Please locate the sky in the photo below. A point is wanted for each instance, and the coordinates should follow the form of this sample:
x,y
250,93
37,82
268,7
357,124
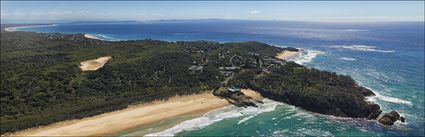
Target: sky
x,y
328,11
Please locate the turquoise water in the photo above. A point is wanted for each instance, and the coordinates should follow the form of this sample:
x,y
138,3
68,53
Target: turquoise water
x,y
387,57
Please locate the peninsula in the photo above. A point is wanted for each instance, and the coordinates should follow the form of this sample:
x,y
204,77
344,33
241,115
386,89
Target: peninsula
x,y
51,77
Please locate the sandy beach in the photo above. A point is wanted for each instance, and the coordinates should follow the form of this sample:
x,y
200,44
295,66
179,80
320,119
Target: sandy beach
x,y
90,36
285,55
10,29
133,116
14,27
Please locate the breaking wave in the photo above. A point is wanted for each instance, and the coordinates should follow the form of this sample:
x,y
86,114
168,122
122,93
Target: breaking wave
x,y
101,37
218,115
386,98
349,59
390,99
362,48
306,56
356,30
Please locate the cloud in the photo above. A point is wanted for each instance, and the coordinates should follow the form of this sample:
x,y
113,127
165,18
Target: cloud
x,y
254,12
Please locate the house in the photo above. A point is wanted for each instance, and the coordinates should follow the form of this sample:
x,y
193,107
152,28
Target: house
x,y
234,90
228,68
196,68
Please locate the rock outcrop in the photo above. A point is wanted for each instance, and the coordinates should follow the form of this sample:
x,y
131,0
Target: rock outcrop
x,y
366,92
238,98
375,111
311,89
390,118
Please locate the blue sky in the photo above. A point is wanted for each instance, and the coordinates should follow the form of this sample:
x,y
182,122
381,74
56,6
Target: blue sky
x,y
345,11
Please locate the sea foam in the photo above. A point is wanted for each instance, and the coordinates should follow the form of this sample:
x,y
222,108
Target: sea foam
x,y
218,115
390,99
355,30
362,48
306,56
101,37
349,59
385,98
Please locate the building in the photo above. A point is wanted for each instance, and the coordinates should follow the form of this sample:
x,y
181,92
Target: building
x,y
234,90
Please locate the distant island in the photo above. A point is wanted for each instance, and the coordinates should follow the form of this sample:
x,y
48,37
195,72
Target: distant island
x,y
52,77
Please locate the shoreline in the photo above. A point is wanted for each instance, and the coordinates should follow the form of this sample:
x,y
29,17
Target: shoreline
x,y
146,114
12,29
90,36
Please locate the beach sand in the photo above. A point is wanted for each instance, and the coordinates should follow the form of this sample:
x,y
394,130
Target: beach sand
x,y
10,29
285,55
134,116
14,27
90,36
94,64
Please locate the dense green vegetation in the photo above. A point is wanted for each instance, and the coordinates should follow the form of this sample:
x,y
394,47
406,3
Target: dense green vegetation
x,y
41,81
318,91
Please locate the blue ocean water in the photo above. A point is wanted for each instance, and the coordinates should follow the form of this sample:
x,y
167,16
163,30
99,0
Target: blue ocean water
x,y
387,57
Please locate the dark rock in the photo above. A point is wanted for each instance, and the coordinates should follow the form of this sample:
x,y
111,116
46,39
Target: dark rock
x,y
394,115
402,119
386,121
366,92
375,111
291,49
238,99
390,118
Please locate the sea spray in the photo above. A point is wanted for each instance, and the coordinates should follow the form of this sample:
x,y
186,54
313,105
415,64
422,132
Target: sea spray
x,y
379,96
390,99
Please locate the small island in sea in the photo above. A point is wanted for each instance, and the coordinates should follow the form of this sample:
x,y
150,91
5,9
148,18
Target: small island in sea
x,y
90,84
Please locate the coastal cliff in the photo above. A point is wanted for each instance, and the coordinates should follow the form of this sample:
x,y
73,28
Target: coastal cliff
x,y
40,75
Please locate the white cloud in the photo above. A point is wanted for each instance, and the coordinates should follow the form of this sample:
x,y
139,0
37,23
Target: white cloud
x,y
254,12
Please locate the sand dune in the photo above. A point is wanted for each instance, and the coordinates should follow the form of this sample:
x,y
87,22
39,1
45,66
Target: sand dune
x,y
94,64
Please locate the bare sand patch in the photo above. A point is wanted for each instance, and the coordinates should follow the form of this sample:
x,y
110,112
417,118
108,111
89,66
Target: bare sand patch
x,y
285,55
94,64
254,94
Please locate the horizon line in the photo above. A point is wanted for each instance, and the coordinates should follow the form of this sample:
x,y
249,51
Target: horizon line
x,y
153,20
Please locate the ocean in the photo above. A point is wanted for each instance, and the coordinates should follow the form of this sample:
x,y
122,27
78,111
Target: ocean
x,y
386,57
